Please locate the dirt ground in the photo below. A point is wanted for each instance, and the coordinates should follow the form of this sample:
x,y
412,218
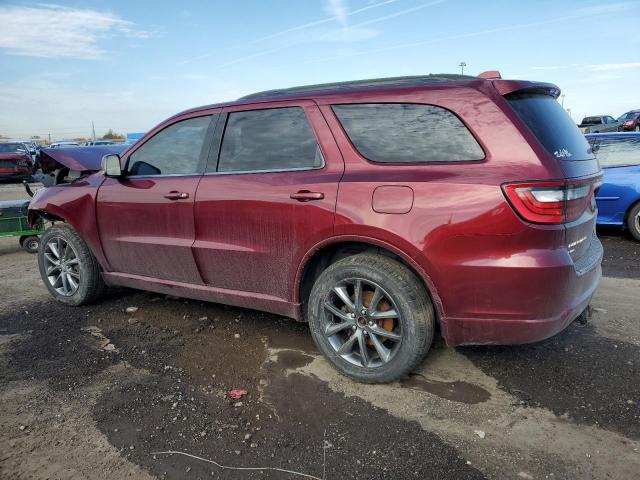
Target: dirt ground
x,y
96,392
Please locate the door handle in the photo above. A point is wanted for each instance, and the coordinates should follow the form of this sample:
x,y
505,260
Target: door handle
x,y
176,195
306,196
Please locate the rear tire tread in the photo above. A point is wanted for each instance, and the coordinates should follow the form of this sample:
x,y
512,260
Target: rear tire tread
x,y
635,211
417,343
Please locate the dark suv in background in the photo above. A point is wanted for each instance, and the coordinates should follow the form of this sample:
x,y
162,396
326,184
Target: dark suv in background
x,y
374,210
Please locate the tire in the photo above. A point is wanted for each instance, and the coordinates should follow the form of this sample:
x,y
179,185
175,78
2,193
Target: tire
x,y
81,282
633,221
406,337
30,243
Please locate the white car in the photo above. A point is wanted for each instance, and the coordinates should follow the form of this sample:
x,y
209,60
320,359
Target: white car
x,y
64,144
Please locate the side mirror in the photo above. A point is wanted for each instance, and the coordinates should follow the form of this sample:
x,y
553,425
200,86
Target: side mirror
x,y
111,165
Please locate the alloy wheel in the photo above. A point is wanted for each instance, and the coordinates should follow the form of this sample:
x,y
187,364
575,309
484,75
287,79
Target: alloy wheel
x,y
62,266
362,323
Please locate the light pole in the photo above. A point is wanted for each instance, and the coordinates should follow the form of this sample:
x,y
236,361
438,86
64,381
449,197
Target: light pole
x,y
562,100
462,65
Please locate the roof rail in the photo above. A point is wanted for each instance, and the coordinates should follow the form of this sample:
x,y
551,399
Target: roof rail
x,y
353,84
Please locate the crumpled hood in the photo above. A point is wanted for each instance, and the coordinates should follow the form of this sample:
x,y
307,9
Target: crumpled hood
x,y
81,159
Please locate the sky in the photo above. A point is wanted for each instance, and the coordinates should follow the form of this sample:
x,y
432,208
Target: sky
x,y
126,65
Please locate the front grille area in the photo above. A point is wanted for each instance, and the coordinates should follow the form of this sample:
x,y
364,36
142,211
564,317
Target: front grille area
x,y
7,164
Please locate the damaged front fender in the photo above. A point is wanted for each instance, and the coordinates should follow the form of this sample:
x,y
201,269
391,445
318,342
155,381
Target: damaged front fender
x,y
74,204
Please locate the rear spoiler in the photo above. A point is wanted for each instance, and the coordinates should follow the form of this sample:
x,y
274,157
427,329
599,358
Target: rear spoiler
x,y
505,87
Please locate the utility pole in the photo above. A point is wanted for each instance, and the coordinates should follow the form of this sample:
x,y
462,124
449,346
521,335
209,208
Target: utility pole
x,y
462,65
93,129
49,139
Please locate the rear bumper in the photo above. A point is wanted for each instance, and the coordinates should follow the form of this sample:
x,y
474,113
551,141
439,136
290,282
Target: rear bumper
x,y
563,291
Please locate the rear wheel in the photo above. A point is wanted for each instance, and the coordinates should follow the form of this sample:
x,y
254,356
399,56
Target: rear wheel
x,y
68,268
30,243
371,317
633,221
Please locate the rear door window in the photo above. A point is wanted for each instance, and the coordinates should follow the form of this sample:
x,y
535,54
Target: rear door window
x,y
407,133
616,152
551,125
268,140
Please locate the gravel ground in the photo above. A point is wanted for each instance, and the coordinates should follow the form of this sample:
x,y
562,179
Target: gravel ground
x,y
96,392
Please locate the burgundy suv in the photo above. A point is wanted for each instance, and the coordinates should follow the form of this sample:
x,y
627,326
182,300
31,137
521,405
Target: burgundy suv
x,y
374,210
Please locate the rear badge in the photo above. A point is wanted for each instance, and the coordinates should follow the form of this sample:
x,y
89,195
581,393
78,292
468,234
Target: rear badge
x,y
562,153
572,245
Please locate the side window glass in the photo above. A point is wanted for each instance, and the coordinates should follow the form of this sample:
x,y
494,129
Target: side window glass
x,y
270,139
176,150
407,133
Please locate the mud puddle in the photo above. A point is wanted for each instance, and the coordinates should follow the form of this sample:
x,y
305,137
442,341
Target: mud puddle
x,y
457,391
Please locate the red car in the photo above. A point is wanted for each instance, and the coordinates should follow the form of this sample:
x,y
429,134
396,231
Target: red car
x,y
15,161
374,210
630,121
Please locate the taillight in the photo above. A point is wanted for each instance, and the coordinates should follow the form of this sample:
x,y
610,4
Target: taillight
x,y
551,202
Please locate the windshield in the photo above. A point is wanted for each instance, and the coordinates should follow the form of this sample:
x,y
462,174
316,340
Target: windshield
x,y
12,148
628,116
551,125
615,152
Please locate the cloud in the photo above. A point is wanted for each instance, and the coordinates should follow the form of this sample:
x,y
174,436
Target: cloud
x,y
348,35
54,31
605,67
576,15
399,13
341,17
337,10
596,67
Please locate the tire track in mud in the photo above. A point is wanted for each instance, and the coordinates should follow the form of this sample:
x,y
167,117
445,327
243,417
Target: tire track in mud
x,y
187,355
591,379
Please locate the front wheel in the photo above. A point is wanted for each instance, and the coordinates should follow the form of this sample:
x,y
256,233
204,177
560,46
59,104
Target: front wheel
x,y
633,221
68,268
371,317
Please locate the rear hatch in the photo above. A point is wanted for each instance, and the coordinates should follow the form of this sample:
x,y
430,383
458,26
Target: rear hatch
x,y
571,200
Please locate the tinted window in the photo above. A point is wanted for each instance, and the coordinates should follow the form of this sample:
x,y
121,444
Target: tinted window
x,y
553,127
613,152
407,133
591,121
12,148
273,139
172,151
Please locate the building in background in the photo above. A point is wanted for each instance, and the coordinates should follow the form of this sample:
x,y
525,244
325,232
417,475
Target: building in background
x,y
134,137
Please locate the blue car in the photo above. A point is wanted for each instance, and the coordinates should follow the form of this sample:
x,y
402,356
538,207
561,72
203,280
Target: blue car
x,y
619,197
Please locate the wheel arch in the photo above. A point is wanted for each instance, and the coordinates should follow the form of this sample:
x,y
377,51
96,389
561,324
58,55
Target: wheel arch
x,y
329,251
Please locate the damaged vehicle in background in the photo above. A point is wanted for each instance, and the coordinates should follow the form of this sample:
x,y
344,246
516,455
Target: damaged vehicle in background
x,y
374,210
15,161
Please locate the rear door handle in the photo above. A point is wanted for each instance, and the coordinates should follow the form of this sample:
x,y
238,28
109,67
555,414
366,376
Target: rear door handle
x,y
306,196
176,195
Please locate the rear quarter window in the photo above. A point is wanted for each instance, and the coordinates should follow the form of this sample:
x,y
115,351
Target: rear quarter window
x,y
407,133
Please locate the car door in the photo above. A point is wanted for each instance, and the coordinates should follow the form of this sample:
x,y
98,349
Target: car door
x,y
145,217
267,198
